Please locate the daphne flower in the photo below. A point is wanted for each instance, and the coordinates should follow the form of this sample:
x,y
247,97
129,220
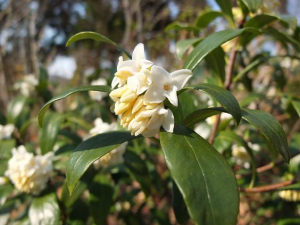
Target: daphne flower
x,y
115,156
97,95
128,68
27,85
165,85
27,172
290,195
6,131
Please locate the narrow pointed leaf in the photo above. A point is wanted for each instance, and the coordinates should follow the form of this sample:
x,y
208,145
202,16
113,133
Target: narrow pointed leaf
x,y
252,5
226,7
203,176
183,45
179,207
222,96
96,37
90,150
210,43
206,18
296,105
271,129
66,94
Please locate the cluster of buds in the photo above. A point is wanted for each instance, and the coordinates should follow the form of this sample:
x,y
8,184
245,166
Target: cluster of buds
x,y
290,195
141,90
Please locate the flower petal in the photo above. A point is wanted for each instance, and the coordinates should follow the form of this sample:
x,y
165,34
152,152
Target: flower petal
x,y
160,76
132,83
168,123
154,94
145,64
115,82
128,65
138,52
180,77
172,95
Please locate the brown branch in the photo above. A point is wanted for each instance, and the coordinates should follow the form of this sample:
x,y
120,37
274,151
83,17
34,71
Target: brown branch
x,y
267,188
215,129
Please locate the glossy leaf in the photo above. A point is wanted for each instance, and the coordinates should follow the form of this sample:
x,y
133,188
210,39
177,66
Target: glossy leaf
x,y
44,210
15,108
206,18
204,178
183,45
96,37
100,198
90,150
226,7
271,129
210,43
66,94
201,115
215,61
179,207
222,96
252,5
49,132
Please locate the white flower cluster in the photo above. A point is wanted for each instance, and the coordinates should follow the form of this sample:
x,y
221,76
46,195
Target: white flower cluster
x,y
115,156
27,172
142,88
6,131
97,95
26,85
290,195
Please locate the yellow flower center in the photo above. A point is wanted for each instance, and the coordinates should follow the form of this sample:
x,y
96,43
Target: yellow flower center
x,y
166,87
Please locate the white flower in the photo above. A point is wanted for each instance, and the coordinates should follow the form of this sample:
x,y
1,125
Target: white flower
x,y
27,172
165,85
128,68
97,95
115,156
290,195
241,155
6,131
26,85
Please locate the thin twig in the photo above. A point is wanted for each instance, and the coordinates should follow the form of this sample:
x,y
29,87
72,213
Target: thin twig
x,y
267,188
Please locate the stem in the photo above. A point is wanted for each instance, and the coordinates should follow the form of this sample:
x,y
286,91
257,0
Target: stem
x,y
267,188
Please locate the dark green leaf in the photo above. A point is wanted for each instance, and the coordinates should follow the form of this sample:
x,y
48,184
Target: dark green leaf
x,y
226,7
204,178
5,191
15,108
68,199
139,170
179,206
96,37
100,198
215,61
201,115
44,210
66,94
222,96
210,43
253,5
48,134
181,26
260,21
282,37
183,45
271,129
206,18
90,150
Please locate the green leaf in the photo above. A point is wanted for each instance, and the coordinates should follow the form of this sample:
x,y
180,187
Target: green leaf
x,y
260,21
201,115
222,96
181,26
215,61
204,178
288,21
90,150
296,105
282,37
44,210
15,108
183,45
66,94
96,37
210,43
226,7
100,198
5,191
295,186
138,169
48,134
252,5
206,18
179,207
271,129
68,199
